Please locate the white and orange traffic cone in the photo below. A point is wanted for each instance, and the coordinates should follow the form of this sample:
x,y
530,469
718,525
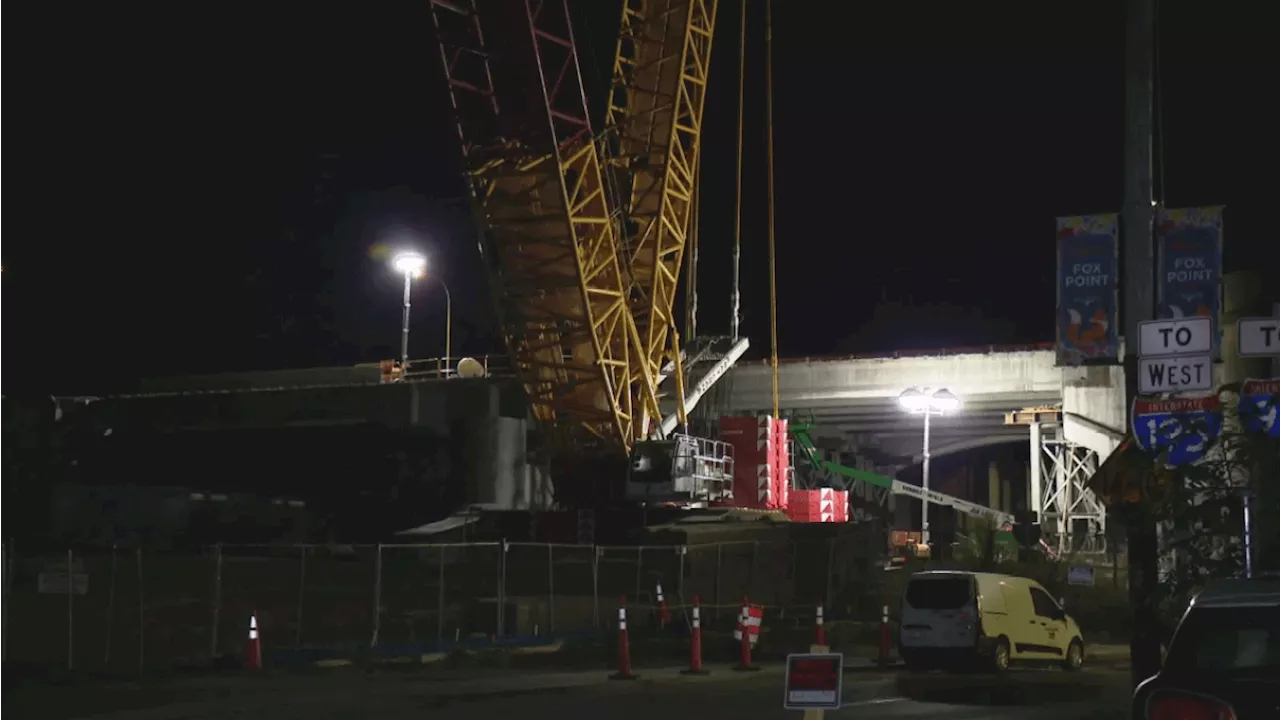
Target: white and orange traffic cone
x,y
253,647
664,612
624,647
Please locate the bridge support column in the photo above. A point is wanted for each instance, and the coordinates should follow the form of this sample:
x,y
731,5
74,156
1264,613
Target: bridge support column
x,y
1071,516
1036,491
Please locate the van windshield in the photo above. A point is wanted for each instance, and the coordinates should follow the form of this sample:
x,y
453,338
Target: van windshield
x,y
939,593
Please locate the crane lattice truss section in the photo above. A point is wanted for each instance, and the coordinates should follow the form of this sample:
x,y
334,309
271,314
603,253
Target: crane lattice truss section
x,y
535,176
653,126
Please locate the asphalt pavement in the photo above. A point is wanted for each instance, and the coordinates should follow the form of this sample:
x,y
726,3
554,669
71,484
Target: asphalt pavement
x,y
658,694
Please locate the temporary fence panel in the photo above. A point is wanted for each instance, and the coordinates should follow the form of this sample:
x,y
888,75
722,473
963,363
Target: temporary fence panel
x,y
129,609
437,594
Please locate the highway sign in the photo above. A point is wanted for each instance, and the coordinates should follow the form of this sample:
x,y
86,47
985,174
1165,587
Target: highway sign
x,y
1181,336
1258,406
813,681
1185,428
1175,373
1259,337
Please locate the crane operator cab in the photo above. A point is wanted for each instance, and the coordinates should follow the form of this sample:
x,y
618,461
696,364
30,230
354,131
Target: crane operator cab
x,y
680,469
954,618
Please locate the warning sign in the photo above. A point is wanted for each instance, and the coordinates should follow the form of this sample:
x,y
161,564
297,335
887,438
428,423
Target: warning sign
x,y
813,681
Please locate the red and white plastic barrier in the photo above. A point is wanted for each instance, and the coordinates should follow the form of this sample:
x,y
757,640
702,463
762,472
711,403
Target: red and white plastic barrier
x,y
748,633
750,616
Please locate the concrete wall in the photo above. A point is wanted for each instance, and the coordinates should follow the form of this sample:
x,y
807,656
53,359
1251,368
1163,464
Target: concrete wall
x,y
1093,407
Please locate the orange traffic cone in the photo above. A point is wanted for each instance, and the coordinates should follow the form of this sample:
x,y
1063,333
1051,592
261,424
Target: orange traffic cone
x,y
253,647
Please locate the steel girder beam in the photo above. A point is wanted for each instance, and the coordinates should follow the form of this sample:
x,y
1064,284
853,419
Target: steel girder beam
x,y
535,177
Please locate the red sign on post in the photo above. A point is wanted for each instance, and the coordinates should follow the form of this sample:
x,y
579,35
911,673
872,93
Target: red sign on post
x,y
814,681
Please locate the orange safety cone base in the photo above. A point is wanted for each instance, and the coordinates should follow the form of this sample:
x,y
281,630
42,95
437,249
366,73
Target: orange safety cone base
x,y
698,671
624,676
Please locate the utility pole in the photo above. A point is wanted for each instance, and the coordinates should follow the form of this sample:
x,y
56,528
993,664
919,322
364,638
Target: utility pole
x,y
1139,305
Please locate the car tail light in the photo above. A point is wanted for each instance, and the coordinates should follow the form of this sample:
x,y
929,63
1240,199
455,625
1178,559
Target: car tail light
x,y
1183,706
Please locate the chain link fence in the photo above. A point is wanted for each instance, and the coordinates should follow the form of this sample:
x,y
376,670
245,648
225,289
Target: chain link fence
x,y
127,609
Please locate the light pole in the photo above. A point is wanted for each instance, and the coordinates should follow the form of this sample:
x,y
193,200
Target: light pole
x,y
411,265
920,402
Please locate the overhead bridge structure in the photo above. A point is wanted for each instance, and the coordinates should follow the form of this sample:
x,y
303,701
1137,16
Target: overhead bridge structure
x,y
1071,417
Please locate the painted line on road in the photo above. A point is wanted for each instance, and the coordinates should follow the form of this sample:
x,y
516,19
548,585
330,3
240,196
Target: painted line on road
x,y
876,701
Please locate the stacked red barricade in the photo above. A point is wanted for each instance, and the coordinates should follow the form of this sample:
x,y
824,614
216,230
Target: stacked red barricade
x,y
761,467
822,505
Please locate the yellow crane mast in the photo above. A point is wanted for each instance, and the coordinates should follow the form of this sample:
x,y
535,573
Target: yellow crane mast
x,y
535,177
653,125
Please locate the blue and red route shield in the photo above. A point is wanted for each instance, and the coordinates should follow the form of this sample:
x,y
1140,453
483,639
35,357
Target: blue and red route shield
x,y
1185,428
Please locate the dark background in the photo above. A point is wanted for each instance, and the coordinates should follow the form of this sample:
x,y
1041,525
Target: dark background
x,y
216,188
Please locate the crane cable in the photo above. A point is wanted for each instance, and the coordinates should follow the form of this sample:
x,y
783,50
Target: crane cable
x,y
735,301
773,259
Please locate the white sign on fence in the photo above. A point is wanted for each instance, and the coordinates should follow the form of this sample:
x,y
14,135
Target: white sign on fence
x,y
1080,575
1183,336
1259,337
1175,374
55,583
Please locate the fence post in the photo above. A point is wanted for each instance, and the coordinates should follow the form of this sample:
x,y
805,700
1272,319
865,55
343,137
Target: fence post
x,y
440,602
142,617
831,555
719,559
302,593
595,586
502,588
755,567
639,571
377,596
111,610
217,600
8,601
684,549
71,594
551,588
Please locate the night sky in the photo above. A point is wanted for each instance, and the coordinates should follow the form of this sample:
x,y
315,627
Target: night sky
x,y
217,189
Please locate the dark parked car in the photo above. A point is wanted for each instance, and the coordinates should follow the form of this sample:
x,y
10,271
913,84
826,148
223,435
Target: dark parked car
x,y
1224,660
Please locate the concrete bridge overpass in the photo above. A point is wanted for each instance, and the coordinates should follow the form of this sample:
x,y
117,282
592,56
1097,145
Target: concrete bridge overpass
x,y
852,402
855,398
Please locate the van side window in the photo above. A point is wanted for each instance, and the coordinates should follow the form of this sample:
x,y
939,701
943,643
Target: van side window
x,y
1044,605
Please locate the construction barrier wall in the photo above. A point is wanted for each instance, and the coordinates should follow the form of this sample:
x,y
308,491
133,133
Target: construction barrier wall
x,y
128,609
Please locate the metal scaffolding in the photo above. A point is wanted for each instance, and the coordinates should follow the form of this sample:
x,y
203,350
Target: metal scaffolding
x,y
1072,518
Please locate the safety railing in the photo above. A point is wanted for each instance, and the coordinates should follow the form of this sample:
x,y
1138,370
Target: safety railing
x,y
122,609
446,367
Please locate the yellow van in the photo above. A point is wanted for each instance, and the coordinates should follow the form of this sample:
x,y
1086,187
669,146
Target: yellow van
x,y
956,618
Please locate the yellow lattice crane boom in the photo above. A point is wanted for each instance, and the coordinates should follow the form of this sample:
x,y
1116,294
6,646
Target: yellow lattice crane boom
x,y
653,125
535,176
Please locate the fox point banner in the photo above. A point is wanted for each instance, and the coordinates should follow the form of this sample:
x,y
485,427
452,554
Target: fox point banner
x,y
1088,272
1189,258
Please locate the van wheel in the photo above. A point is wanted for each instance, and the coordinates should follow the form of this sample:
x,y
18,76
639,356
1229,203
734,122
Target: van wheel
x,y
1000,656
1075,657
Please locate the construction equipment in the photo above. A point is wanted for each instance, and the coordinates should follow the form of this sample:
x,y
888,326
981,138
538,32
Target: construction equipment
x,y
585,279
832,470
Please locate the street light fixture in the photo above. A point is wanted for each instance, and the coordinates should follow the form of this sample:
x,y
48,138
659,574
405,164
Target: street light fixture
x,y
921,402
414,265
411,265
